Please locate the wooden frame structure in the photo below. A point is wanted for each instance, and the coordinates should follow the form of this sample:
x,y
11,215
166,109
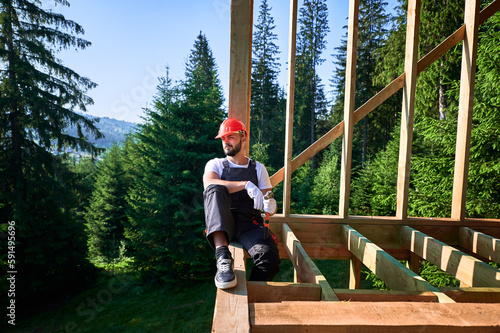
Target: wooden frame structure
x,y
459,246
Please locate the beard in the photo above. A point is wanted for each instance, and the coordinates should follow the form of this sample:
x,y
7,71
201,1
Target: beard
x,y
232,151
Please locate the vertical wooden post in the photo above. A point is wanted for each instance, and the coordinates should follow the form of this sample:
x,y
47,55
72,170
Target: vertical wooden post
x,y
240,66
411,58
292,42
465,107
350,88
354,273
414,263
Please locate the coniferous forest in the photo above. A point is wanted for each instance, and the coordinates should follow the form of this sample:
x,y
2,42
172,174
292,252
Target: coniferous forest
x,y
138,208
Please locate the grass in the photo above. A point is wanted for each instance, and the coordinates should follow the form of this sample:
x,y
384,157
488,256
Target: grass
x,y
120,304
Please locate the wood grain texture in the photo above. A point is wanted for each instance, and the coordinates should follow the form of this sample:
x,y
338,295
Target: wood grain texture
x,y
289,317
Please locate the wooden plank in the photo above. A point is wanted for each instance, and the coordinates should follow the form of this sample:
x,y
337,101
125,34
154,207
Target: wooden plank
x,y
473,295
406,136
349,99
306,270
465,107
370,295
318,317
240,62
479,243
282,291
231,305
464,267
387,268
292,41
354,273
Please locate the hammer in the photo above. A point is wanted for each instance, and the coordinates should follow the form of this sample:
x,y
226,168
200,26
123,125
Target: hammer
x,y
269,195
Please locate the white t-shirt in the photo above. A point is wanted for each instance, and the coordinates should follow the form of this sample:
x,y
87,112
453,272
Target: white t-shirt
x,y
216,166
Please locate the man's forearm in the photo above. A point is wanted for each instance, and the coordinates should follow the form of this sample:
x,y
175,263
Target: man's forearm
x,y
232,186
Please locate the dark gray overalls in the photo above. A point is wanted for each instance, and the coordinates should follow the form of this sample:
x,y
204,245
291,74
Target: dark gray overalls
x,y
234,214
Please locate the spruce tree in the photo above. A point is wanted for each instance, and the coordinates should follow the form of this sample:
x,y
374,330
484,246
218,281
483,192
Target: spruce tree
x,y
373,131
38,98
166,225
267,101
439,19
105,216
310,100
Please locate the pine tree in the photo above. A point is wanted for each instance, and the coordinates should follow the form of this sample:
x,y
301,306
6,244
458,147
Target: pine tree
x,y
267,101
166,222
310,100
38,97
105,215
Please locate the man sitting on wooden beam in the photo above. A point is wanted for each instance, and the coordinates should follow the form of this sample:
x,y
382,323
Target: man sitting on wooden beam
x,y
234,197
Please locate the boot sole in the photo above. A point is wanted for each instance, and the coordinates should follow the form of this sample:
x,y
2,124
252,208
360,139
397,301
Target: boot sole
x,y
226,285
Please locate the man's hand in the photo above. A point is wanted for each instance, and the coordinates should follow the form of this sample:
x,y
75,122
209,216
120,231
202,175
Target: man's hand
x,y
270,206
255,193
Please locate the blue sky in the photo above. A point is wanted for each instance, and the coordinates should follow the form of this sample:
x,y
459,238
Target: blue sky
x,y
134,41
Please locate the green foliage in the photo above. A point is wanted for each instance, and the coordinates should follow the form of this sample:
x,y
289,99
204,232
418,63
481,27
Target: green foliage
x,y
38,97
105,215
435,276
326,188
374,191
302,182
165,230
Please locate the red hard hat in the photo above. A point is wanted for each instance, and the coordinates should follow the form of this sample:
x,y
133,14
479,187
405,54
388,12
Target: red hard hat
x,y
231,125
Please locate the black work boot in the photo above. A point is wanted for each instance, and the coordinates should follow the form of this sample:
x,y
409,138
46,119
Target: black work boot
x,y
224,278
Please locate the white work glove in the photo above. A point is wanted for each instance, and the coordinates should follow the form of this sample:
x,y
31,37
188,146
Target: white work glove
x,y
270,205
255,193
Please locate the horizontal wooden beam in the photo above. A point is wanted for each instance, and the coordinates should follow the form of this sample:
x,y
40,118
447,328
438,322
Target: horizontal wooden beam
x,y
387,268
473,295
307,271
464,267
259,292
319,317
231,305
388,220
282,291
481,244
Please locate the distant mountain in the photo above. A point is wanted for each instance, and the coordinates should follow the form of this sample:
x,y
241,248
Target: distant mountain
x,y
114,131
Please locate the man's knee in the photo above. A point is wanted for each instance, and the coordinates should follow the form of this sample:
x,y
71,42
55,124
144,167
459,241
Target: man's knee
x,y
215,189
267,260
